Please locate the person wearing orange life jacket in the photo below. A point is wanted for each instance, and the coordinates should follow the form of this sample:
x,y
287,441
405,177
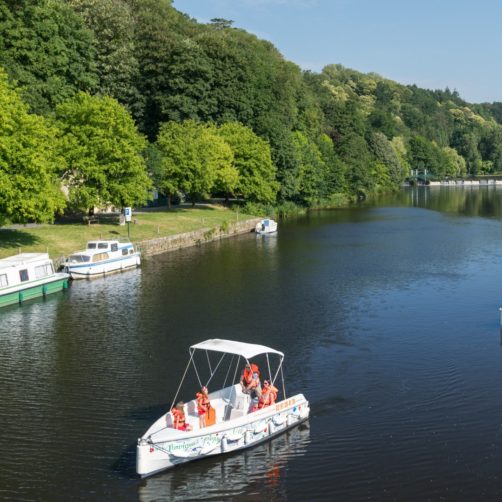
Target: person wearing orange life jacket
x,y
250,380
179,421
268,395
203,405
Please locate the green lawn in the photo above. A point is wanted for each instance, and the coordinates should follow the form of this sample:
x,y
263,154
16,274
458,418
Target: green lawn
x,y
63,239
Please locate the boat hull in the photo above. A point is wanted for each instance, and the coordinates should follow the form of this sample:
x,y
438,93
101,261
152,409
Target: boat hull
x,y
233,435
35,289
88,271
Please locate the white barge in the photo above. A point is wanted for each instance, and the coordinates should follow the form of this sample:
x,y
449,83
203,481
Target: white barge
x,y
29,275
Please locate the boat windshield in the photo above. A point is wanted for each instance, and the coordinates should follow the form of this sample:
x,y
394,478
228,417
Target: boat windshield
x,y
79,258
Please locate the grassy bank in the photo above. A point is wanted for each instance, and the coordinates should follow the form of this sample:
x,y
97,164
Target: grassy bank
x,y
63,239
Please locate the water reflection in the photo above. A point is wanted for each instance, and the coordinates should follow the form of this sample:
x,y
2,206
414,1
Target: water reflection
x,y
257,470
467,201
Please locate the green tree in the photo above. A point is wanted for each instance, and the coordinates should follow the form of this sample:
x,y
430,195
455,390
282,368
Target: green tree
x,y
313,172
46,48
193,156
29,187
253,161
103,152
384,153
117,67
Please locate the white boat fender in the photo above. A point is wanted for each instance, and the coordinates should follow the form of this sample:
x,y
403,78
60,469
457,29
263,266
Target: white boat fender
x,y
278,420
224,444
294,416
259,428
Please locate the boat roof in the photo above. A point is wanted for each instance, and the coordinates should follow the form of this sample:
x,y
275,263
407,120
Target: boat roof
x,y
110,241
22,258
246,350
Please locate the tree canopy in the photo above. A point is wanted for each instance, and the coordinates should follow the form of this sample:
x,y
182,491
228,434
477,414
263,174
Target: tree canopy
x,y
103,153
29,186
263,129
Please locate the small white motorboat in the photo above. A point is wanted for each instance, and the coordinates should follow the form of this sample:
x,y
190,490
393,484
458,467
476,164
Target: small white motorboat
x,y
237,425
266,226
101,258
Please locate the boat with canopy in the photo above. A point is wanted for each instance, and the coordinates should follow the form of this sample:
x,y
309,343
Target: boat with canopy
x,y
238,422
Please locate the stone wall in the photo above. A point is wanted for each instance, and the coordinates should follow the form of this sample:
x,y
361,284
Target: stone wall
x,y
164,244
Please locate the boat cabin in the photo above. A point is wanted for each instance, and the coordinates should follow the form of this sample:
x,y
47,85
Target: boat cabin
x,y
24,267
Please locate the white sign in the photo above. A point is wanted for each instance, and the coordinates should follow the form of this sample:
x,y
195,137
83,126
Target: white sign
x,y
127,213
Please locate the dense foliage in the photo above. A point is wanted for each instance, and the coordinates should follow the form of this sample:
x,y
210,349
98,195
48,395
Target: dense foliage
x,y
105,95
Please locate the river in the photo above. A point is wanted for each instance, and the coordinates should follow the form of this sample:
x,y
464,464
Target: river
x,y
388,314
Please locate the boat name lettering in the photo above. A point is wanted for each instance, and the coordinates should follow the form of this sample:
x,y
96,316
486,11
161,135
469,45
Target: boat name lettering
x,y
284,404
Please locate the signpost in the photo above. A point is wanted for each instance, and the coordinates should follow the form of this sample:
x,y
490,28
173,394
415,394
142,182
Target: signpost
x,y
128,217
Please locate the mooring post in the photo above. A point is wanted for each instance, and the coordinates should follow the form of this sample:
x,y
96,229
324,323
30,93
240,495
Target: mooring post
x,y
500,315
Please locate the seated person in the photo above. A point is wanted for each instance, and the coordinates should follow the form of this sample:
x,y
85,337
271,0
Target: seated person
x,y
250,380
179,421
203,406
268,395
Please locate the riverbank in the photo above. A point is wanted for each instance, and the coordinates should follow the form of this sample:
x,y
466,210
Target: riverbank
x,y
154,231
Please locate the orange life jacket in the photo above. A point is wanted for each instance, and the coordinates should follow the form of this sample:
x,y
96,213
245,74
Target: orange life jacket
x,y
178,418
248,373
268,396
203,403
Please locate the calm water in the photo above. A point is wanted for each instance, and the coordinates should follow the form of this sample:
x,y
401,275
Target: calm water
x,y
388,315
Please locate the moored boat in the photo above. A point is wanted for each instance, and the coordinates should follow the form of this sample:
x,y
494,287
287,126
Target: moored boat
x,y
266,226
29,275
100,258
238,423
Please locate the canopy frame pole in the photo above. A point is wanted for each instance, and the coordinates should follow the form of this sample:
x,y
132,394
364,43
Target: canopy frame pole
x,y
269,371
216,368
228,370
209,363
190,360
283,386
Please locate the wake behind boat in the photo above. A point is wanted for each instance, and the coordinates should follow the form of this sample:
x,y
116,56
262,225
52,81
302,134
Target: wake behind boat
x,y
101,258
238,421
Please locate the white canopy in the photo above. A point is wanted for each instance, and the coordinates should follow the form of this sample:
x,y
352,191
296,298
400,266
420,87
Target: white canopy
x,y
246,350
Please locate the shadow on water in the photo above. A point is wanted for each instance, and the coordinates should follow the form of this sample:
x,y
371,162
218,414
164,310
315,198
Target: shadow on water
x,y
125,465
326,406
13,238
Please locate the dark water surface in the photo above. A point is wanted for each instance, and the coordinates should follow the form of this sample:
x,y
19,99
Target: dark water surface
x,y
388,315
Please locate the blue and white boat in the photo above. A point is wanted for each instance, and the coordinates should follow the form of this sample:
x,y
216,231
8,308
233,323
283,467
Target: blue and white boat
x,y
101,258
266,226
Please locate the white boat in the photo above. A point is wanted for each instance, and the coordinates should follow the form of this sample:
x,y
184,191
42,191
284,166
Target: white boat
x,y
236,426
28,275
101,258
266,226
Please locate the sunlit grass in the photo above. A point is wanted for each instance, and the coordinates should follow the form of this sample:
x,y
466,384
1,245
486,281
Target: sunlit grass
x,y
62,239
